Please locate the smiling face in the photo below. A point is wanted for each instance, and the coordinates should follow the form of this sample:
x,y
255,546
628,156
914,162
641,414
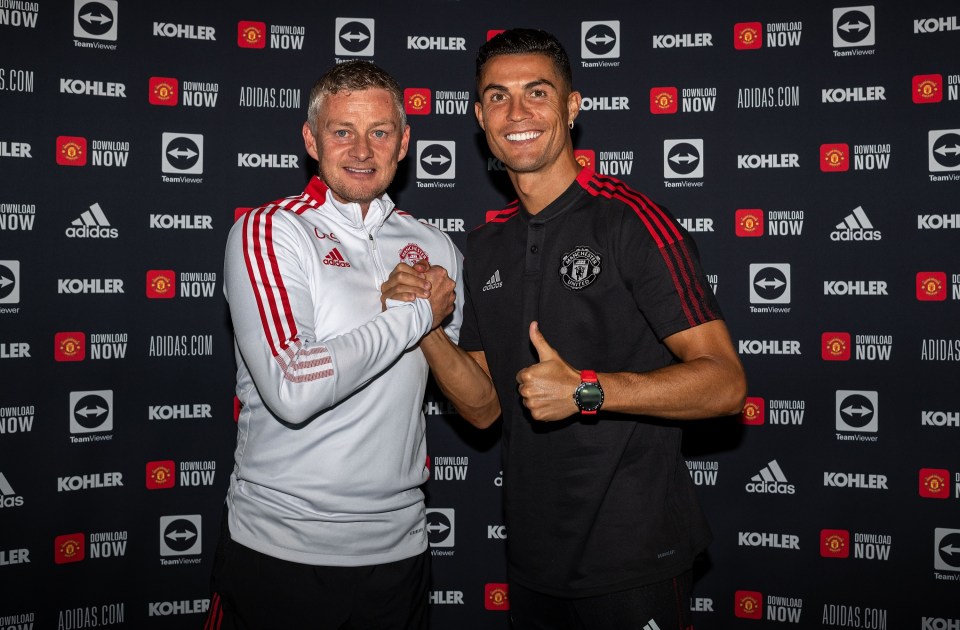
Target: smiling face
x,y
524,109
359,141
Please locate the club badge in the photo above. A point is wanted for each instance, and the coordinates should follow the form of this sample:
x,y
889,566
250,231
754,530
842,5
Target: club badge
x,y
412,254
579,268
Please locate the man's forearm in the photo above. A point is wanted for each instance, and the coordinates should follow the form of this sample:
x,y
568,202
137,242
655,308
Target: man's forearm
x,y
461,379
701,388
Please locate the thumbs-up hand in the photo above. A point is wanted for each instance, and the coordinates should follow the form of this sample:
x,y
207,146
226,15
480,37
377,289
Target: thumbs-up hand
x,y
547,387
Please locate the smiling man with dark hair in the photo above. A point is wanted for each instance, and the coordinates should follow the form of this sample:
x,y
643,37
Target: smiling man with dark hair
x,y
582,271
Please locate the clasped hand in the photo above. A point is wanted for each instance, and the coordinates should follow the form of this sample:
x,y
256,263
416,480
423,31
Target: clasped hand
x,y
431,283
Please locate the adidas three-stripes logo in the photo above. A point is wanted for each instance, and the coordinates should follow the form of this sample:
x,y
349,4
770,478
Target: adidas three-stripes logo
x,y
93,216
856,220
770,472
494,281
770,480
335,259
856,227
5,488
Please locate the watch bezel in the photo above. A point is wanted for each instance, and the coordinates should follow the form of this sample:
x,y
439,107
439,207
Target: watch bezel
x,y
581,389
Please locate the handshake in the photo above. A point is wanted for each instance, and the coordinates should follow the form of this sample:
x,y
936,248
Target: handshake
x,y
431,283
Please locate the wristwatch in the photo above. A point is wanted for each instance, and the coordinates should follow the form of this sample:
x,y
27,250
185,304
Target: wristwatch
x,y
589,394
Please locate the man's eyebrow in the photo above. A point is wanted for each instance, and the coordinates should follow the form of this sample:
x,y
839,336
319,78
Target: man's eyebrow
x,y
539,82
527,86
350,125
494,86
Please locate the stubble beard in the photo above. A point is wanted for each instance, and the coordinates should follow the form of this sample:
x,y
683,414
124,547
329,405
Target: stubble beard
x,y
350,194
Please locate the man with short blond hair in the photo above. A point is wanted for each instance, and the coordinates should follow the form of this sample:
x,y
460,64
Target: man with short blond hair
x,y
325,518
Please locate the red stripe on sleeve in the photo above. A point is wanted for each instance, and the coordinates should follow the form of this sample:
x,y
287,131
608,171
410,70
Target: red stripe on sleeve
x,y
248,246
281,289
257,225
669,241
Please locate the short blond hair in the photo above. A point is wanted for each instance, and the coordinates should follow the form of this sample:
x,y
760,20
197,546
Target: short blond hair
x,y
350,76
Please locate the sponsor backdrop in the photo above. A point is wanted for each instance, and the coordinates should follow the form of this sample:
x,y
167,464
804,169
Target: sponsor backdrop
x,y
813,151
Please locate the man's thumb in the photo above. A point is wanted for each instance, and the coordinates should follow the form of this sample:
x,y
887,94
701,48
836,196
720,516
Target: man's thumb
x,y
544,350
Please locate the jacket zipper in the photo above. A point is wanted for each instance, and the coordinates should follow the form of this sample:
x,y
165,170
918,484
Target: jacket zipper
x,y
377,262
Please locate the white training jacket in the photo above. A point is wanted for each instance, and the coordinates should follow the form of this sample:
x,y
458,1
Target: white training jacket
x,y
331,446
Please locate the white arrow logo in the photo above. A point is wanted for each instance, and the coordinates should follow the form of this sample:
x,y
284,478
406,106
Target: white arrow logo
x,y
181,153
684,158
432,159
776,283
89,17
855,26
4,282
438,527
176,535
858,411
955,149
354,37
950,549
87,411
600,39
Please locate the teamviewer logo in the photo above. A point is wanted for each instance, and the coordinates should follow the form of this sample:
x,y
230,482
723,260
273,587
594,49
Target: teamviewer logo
x,y
853,26
857,411
947,549
354,37
440,527
600,40
944,146
91,411
436,159
95,20
182,153
770,283
683,158
180,535
9,281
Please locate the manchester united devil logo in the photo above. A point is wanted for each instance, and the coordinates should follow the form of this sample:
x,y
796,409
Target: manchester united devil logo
x,y
579,268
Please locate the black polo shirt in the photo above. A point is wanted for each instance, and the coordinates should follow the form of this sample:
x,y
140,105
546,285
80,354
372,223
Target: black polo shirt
x,y
594,504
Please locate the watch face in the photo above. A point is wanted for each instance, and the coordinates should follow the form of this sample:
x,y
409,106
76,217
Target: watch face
x,y
589,396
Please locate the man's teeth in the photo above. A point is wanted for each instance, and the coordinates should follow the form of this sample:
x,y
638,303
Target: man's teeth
x,y
360,170
526,135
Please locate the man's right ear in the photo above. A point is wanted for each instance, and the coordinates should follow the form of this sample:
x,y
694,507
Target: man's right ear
x,y
478,112
309,141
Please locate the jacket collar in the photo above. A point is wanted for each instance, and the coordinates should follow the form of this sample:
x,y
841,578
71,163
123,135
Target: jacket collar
x,y
379,210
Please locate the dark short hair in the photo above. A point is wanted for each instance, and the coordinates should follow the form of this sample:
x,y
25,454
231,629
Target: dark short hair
x,y
526,41
351,76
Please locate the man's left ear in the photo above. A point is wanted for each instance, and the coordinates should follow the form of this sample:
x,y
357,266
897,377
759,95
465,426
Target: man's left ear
x,y
573,107
404,143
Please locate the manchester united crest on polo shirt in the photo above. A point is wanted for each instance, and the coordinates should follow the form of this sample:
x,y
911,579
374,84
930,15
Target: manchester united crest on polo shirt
x,y
579,268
